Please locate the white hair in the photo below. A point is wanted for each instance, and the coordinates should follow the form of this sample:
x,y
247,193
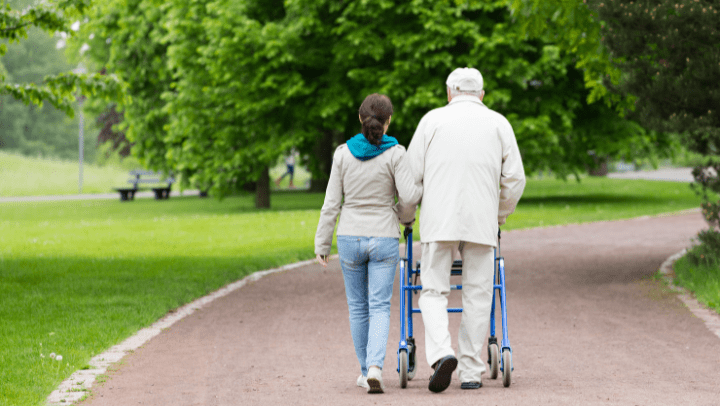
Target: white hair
x,y
458,92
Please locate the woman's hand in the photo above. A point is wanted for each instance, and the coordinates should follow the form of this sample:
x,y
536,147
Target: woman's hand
x,y
322,259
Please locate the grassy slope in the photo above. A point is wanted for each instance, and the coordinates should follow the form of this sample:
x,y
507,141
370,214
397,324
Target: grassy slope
x,y
701,279
553,202
23,176
78,277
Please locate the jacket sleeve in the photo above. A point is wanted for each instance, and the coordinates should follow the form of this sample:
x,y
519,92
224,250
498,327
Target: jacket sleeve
x,y
408,191
512,177
412,167
331,207
415,156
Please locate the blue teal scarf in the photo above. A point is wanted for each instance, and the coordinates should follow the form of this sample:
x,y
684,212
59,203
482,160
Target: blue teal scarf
x,y
363,150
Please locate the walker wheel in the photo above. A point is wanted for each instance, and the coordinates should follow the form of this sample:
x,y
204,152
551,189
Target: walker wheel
x,y
493,360
403,367
412,367
507,367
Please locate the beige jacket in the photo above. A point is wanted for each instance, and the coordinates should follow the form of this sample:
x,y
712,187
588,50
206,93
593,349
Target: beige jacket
x,y
363,194
467,159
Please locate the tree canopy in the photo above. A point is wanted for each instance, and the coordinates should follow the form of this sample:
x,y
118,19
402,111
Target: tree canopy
x,y
33,130
221,88
59,89
669,52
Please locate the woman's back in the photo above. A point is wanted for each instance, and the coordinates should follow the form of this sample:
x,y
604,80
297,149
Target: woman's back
x,y
363,193
369,189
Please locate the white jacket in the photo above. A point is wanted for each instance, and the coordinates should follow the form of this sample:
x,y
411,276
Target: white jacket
x,y
467,159
363,194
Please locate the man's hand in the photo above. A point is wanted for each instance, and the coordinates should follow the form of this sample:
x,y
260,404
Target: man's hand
x,y
323,259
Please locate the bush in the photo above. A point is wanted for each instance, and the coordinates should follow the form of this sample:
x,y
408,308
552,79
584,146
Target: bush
x,y
707,186
707,251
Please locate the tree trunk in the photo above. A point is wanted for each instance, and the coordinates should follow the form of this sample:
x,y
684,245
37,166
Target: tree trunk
x,y
323,150
601,166
262,193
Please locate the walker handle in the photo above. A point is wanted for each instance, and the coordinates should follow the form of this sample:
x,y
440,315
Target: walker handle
x,y
408,231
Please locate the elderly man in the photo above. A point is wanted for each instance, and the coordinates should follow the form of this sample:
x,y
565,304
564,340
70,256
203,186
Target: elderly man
x,y
467,159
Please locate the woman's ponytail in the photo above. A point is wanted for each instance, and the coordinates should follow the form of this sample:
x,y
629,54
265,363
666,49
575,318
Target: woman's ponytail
x,y
375,112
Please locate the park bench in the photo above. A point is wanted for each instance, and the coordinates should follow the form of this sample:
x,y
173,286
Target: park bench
x,y
141,176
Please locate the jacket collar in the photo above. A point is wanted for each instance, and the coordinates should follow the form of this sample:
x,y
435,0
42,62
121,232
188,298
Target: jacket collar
x,y
466,98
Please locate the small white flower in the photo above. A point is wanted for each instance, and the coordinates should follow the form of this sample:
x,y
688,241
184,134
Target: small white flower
x,y
75,26
58,358
42,355
52,355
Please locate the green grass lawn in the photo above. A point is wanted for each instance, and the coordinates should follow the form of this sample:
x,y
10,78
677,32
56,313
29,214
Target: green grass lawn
x,y
23,176
78,277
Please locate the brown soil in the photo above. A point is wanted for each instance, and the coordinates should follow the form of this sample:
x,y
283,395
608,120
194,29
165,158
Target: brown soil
x,y
588,325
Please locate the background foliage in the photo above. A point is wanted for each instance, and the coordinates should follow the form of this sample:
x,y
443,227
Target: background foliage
x,y
220,89
33,72
30,129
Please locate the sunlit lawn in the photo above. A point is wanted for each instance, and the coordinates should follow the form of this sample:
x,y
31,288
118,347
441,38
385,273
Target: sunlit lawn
x,y
26,176
23,176
78,277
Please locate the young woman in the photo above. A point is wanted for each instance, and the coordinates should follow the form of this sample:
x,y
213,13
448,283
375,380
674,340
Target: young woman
x,y
366,177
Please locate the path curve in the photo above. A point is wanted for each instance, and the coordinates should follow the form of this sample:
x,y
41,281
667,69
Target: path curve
x,y
588,323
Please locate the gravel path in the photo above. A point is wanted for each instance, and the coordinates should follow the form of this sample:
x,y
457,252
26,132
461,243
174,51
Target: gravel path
x,y
96,196
666,174
588,324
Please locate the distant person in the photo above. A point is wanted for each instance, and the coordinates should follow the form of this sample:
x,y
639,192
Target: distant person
x,y
290,164
364,182
467,160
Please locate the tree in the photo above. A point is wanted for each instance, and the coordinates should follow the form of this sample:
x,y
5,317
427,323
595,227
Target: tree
x,y
669,52
662,58
60,89
126,40
407,50
242,81
34,130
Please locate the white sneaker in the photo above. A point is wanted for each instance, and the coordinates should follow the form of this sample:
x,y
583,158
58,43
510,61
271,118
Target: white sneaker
x,y
374,380
362,382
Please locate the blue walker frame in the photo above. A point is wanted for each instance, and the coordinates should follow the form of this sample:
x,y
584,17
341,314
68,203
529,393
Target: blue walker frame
x,y
407,357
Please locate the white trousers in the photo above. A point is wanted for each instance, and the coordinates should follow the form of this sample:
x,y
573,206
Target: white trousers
x,y
477,290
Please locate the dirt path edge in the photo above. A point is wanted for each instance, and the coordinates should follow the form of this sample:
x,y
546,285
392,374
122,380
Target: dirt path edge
x,y
77,386
709,317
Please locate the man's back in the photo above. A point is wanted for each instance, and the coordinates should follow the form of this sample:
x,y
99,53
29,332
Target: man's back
x,y
458,153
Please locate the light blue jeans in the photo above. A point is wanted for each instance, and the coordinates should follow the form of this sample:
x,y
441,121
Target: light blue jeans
x,y
369,265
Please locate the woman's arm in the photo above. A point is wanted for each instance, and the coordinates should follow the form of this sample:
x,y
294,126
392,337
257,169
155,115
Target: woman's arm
x,y
408,191
331,207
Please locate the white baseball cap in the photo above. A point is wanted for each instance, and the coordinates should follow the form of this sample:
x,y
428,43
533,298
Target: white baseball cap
x,y
468,79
